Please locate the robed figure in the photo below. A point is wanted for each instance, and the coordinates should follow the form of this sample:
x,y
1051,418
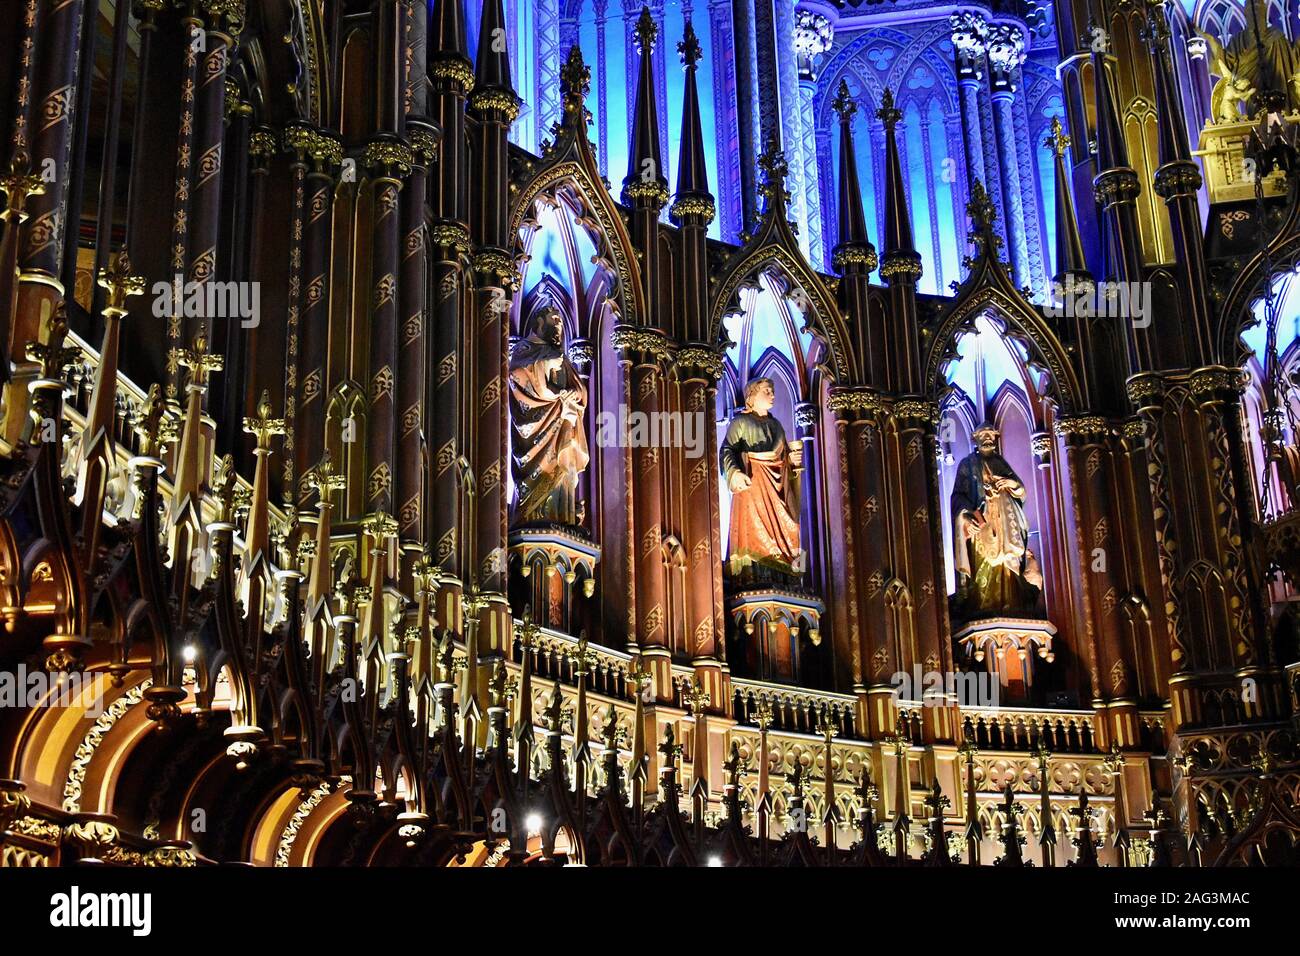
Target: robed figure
x,y
547,404
997,573
761,470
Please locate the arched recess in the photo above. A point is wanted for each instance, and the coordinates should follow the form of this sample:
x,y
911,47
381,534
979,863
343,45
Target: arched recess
x,y
1024,381
1045,354
627,296
573,253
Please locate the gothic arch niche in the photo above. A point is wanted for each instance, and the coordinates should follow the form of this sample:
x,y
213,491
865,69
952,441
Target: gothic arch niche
x,y
994,374
769,335
566,267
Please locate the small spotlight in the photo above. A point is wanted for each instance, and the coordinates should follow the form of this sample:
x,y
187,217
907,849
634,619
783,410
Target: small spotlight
x,y
189,653
715,860
534,823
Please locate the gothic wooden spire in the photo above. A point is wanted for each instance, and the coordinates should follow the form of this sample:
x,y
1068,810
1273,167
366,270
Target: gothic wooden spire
x,y
693,194
1069,244
1112,150
492,65
447,30
900,255
854,249
645,178
1177,181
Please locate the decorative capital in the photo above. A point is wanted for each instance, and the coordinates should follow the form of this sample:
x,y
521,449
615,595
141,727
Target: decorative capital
x,y
853,254
1006,51
262,144
488,100
813,36
452,68
698,206
388,156
969,38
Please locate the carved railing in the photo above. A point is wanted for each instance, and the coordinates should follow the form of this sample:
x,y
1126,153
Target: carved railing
x,y
793,709
1023,729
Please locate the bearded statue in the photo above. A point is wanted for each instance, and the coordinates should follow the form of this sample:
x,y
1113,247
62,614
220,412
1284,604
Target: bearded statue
x,y
547,442
997,574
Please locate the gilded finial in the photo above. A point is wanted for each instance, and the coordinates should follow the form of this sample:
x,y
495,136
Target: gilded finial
x,y
324,480
775,168
575,77
983,214
379,526
120,283
263,427
1058,141
646,32
888,113
827,727
689,48
698,698
844,105
197,359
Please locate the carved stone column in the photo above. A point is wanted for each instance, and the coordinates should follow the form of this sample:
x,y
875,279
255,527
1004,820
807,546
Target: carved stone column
x,y
1006,51
642,353
326,153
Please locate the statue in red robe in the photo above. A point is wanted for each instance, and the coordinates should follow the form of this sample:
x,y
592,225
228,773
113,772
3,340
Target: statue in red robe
x,y
761,470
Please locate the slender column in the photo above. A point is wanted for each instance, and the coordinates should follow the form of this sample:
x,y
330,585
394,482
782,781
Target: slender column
x,y
744,60
642,354
209,134
1102,561
931,207
1005,54
389,160
314,325
969,40
546,101
50,133
726,128
298,138
812,38
602,88
413,284
452,80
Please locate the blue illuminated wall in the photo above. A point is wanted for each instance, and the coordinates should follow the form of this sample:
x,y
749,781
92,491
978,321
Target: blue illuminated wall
x,y
905,45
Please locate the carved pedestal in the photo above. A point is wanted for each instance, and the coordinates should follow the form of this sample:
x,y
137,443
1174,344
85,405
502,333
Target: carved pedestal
x,y
1223,151
548,565
775,627
1007,646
